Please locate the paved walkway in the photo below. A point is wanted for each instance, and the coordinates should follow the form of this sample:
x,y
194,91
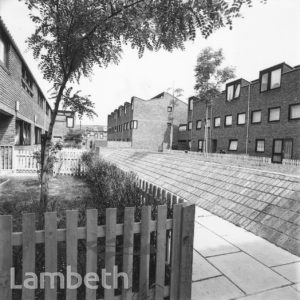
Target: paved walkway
x,y
232,263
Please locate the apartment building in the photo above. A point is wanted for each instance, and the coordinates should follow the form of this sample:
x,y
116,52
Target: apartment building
x,y
147,124
24,112
259,117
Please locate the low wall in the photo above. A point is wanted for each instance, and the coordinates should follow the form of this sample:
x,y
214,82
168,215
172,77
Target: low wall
x,y
263,202
118,145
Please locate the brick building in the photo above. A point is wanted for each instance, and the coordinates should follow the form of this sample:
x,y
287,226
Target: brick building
x,y
93,136
260,117
147,124
24,112
64,122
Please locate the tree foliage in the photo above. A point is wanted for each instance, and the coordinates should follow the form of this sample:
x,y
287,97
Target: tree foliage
x,y
209,74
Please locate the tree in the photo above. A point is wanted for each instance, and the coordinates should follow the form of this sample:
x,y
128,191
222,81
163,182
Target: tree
x,y
210,77
176,93
72,36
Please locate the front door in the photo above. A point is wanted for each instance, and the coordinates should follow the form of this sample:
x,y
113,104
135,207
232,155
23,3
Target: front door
x,y
214,146
287,148
277,150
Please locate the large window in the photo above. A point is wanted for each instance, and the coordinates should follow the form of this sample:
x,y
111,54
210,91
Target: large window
x,y
23,133
233,144
294,111
27,81
260,146
241,118
256,117
198,124
233,90
270,79
38,135
3,51
274,114
228,120
190,125
217,122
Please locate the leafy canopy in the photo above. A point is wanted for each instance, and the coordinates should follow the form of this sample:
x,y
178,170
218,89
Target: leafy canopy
x,y
209,74
73,35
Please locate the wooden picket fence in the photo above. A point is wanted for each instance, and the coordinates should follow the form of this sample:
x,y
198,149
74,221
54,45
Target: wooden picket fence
x,y
6,153
173,248
68,162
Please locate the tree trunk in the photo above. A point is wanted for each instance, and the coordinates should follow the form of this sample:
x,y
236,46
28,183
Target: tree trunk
x,y
45,155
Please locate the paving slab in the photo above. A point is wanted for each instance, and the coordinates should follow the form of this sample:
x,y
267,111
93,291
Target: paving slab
x,y
247,273
219,288
220,226
267,253
209,244
289,271
202,269
284,293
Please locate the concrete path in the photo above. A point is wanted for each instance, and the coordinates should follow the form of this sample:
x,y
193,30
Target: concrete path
x,y
232,263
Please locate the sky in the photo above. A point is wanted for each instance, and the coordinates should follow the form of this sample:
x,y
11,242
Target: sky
x,y
267,34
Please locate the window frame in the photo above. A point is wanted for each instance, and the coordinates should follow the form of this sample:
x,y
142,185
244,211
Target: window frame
x,y
256,143
215,122
252,112
269,110
290,110
237,119
229,143
170,109
225,125
198,122
200,150
188,126
5,41
234,84
191,104
73,122
181,126
269,76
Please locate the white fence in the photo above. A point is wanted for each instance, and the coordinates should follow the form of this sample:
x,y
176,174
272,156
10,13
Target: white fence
x,y
68,162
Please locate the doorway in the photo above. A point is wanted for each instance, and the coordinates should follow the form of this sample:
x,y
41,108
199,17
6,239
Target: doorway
x,y
282,149
214,144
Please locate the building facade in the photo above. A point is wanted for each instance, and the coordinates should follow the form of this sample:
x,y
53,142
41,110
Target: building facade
x,y
93,136
261,117
24,112
148,124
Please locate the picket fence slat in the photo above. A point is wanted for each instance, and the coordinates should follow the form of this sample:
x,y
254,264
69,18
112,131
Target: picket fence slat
x,y
5,257
160,252
50,254
110,249
72,248
145,253
128,250
28,251
91,249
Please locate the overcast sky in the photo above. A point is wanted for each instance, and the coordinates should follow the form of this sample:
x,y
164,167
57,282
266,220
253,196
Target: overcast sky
x,y
267,35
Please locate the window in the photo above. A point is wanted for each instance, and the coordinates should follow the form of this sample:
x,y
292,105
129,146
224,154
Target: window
x,y
48,109
241,119
27,80
233,90
170,108
41,99
217,122
37,135
182,128
294,111
256,117
190,125
23,133
260,146
3,51
233,144
190,104
198,124
200,145
274,114
70,122
270,79
134,124
228,120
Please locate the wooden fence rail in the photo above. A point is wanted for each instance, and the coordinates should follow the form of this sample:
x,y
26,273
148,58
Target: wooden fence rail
x,y
181,227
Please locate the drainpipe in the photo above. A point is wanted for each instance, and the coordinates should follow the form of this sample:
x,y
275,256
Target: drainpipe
x,y
248,116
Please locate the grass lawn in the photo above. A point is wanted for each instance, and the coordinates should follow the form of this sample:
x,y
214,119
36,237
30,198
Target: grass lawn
x,y
26,188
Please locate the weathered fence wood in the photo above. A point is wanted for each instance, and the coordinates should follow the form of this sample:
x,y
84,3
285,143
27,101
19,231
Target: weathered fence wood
x,y
72,248
91,249
28,250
